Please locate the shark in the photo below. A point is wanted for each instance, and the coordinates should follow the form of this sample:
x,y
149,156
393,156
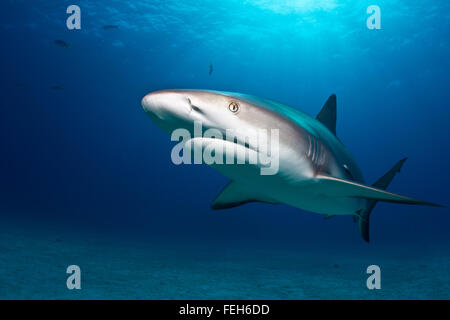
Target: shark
x,y
316,172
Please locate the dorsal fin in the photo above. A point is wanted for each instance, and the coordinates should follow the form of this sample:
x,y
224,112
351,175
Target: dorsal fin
x,y
327,116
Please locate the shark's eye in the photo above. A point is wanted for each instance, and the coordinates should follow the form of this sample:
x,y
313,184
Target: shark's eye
x,y
234,107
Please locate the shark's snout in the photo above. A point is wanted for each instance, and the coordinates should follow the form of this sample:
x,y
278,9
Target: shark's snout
x,y
166,104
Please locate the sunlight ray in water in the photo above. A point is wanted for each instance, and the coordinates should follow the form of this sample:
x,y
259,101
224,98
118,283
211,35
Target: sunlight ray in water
x,y
289,6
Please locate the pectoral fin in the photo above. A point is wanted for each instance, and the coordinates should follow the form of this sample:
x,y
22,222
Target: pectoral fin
x,y
234,195
344,188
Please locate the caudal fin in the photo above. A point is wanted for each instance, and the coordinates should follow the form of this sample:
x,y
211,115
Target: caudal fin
x,y
373,194
381,184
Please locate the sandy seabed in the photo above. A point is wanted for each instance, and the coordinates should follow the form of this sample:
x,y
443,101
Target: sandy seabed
x,y
33,267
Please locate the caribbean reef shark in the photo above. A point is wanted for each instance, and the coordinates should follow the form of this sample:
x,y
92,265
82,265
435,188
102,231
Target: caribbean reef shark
x,y
316,171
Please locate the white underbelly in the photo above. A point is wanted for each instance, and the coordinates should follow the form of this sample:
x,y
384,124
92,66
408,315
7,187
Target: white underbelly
x,y
293,183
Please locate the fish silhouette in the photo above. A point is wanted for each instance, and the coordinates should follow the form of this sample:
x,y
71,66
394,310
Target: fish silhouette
x,y
62,44
111,26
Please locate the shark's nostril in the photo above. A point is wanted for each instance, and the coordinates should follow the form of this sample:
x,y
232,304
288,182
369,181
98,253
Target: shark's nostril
x,y
194,107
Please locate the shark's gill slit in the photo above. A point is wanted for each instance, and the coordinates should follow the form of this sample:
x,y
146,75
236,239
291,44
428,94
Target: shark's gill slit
x,y
347,170
308,154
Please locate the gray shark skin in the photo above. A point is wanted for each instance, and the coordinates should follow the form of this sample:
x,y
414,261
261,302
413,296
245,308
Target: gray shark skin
x,y
316,171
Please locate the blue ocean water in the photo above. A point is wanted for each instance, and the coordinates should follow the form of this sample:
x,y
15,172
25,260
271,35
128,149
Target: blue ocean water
x,y
86,178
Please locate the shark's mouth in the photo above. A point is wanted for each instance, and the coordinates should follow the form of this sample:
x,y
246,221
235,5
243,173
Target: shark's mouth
x,y
223,145
243,143
240,142
248,140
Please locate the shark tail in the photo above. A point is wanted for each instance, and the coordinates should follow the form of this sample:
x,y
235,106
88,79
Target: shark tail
x,y
372,194
364,216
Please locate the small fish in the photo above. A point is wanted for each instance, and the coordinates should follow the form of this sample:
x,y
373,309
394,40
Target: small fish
x,y
62,43
111,26
211,69
57,88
